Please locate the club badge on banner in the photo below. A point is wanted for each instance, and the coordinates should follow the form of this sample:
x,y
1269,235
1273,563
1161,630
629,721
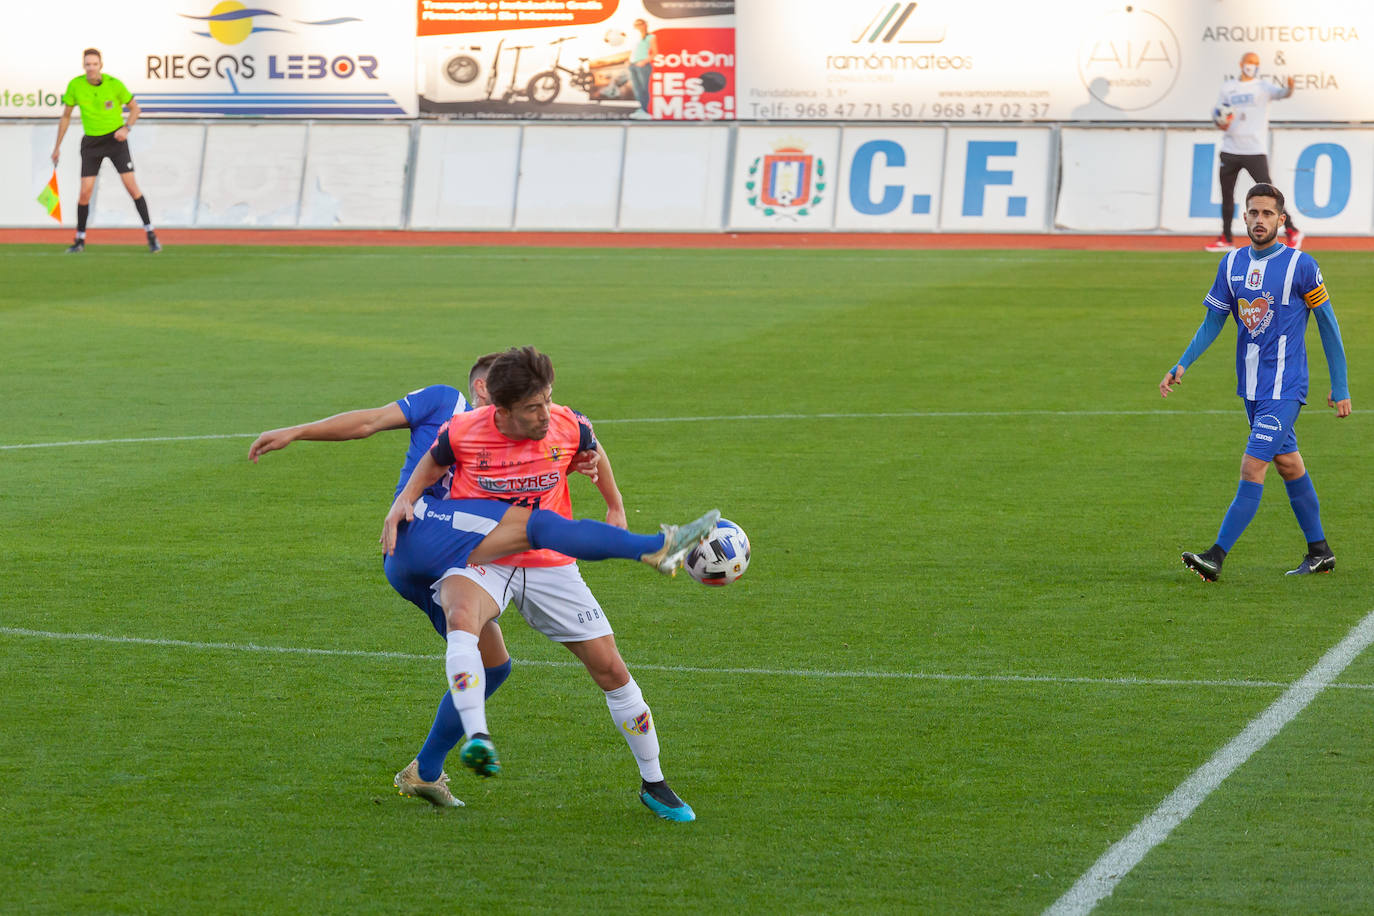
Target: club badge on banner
x,y
665,60
785,179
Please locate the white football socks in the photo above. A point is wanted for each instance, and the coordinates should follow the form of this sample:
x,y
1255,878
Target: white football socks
x,y
463,662
633,720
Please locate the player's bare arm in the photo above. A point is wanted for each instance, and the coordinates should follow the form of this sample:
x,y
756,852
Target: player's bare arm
x,y
354,424
605,484
1170,381
62,126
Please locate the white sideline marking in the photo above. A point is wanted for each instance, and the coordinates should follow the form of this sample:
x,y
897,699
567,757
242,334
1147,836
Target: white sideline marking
x,y
685,669
918,414
114,441
1098,882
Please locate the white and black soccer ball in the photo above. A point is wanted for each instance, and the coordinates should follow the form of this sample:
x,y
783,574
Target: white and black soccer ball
x,y
1222,115
722,557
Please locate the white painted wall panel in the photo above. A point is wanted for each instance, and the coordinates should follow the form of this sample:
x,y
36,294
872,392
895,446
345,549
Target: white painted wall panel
x,y
355,176
483,176
674,178
890,178
25,156
1110,179
996,180
569,177
252,175
465,176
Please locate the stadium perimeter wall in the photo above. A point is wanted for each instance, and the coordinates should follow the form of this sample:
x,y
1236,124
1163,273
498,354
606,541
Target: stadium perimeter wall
x,y
694,178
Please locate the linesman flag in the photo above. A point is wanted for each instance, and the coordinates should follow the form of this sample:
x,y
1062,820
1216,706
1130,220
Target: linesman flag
x,y
49,199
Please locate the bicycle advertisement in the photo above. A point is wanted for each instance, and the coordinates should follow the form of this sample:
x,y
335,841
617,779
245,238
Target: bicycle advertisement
x,y
651,60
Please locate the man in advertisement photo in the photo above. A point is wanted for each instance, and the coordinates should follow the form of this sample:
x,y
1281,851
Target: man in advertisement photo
x,y
638,71
102,99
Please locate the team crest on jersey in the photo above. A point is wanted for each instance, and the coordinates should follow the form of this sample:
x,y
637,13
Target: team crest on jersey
x,y
1256,313
555,452
1255,278
641,724
483,459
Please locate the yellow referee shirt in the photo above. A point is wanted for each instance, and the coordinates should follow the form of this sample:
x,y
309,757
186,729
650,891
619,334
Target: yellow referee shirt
x,y
102,105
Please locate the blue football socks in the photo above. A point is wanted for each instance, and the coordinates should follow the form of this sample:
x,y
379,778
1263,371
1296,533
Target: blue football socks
x,y
1242,510
1303,497
448,730
586,539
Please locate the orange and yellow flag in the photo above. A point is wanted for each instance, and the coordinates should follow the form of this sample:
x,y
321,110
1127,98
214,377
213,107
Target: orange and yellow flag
x,y
49,199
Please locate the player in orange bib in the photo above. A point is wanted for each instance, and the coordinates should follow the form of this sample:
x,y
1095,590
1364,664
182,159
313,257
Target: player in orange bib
x,y
518,451
488,464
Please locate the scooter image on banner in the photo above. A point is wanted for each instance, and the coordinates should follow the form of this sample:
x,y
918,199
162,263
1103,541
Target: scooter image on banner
x,y
511,92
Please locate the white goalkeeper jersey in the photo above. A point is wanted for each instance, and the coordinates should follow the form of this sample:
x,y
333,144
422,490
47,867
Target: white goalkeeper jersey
x,y
1248,134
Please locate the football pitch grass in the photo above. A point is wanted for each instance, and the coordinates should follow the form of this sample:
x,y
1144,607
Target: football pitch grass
x,y
964,663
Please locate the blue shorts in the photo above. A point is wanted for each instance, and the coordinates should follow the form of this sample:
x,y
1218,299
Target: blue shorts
x,y
1271,428
440,538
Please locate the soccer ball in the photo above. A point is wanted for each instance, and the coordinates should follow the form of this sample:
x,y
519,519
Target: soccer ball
x,y
1222,115
722,557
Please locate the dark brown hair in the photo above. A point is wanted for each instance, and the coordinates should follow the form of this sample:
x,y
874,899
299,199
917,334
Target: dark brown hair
x,y
518,373
1265,190
95,51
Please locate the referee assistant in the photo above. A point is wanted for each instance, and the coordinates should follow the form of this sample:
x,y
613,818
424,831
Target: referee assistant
x,y
101,99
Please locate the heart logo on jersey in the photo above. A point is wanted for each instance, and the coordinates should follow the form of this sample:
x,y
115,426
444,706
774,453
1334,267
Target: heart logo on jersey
x,y
1253,311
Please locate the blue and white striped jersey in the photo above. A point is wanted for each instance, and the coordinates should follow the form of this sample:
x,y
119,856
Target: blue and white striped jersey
x,y
1270,295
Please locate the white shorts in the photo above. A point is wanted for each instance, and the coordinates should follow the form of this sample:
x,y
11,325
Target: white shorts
x,y
552,599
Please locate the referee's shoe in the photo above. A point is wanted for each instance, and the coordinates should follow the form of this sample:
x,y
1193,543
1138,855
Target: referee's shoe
x,y
77,247
153,245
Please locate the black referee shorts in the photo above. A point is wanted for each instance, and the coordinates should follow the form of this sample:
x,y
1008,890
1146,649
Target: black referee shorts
x,y
95,149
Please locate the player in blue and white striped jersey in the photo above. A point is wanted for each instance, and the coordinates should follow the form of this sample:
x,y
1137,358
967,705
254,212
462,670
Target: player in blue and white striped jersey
x,y
1270,290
